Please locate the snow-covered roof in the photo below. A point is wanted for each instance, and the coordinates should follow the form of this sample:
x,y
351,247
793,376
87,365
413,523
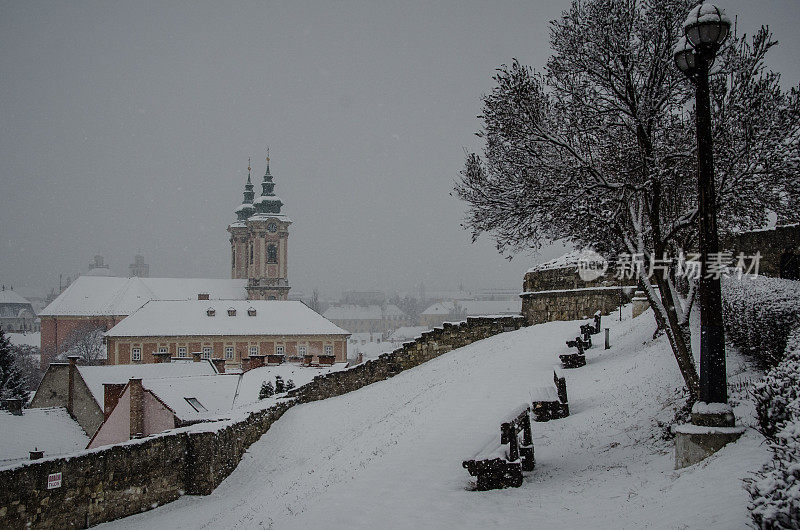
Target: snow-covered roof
x,y
98,296
490,307
357,312
96,376
12,297
167,318
440,308
51,430
214,392
475,307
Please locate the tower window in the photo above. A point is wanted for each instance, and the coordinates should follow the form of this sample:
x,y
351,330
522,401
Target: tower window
x,y
272,253
251,253
233,258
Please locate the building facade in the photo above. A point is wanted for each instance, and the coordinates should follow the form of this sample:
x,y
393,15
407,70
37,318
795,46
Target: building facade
x,y
16,312
233,330
259,242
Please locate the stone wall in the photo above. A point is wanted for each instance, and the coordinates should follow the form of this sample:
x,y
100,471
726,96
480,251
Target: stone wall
x,y
119,480
779,248
429,345
572,304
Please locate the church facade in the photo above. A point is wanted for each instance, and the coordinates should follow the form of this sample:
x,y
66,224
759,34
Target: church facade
x,y
259,241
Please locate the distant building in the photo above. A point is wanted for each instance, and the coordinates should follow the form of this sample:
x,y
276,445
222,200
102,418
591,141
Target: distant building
x,y
92,302
259,242
367,319
458,310
233,330
16,312
95,389
98,267
364,298
139,268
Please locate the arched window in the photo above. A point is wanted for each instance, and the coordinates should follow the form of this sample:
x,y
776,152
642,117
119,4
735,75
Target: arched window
x,y
272,253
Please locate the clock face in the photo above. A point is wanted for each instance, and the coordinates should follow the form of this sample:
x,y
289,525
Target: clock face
x,y
272,227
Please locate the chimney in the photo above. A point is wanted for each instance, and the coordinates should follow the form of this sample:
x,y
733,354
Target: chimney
x,y
14,406
196,356
161,357
137,408
245,364
202,296
256,361
73,361
36,454
111,394
219,365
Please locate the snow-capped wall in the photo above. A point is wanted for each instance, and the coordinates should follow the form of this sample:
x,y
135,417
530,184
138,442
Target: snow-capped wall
x,y
114,481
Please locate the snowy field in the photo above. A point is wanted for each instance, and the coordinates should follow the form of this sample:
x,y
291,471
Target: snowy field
x,y
389,455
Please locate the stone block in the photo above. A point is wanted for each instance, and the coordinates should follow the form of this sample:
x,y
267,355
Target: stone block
x,y
694,443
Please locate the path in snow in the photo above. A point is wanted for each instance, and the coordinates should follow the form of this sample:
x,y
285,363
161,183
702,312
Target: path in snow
x,y
389,455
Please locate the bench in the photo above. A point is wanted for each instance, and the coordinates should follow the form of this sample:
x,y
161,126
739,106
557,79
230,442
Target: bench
x,y
574,360
550,402
501,461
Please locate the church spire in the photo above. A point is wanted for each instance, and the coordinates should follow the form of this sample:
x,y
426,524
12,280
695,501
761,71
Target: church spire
x,y
268,203
246,209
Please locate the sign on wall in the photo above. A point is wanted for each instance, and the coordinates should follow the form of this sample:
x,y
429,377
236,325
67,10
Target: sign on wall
x,y
53,481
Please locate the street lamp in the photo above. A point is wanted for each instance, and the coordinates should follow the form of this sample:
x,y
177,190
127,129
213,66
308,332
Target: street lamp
x,y
706,28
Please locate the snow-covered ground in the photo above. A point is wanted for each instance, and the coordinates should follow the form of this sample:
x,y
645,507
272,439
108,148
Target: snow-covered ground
x,y
389,455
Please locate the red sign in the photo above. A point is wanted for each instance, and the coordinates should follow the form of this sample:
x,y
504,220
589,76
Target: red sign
x,y
53,481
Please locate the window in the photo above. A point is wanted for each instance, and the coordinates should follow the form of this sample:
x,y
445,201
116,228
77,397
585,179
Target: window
x,y
162,349
195,404
272,253
301,350
182,351
279,350
251,253
229,352
253,350
136,354
206,352
328,350
233,257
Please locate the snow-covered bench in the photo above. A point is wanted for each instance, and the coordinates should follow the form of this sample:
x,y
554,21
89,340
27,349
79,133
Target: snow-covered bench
x,y
575,360
501,461
550,402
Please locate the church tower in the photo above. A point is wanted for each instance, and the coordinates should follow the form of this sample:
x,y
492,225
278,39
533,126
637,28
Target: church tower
x,y
259,240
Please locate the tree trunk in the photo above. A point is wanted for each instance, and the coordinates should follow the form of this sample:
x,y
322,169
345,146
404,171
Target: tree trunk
x,y
667,319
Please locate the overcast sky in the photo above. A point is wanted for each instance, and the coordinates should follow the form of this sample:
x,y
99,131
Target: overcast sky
x,y
126,127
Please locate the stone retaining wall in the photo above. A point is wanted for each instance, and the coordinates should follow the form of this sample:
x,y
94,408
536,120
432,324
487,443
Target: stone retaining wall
x,y
120,480
571,304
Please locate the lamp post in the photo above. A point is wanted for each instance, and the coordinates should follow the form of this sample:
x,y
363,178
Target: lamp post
x,y
706,28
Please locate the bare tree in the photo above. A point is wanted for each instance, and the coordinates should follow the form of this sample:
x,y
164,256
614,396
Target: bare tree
x,y
599,149
87,343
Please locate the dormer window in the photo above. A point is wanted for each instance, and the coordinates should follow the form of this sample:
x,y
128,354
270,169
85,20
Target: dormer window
x,y
210,312
231,312
251,312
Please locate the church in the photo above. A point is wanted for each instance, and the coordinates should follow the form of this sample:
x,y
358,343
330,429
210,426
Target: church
x,y
259,239
259,271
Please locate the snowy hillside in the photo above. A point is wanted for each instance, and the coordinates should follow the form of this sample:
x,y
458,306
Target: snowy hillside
x,y
389,455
